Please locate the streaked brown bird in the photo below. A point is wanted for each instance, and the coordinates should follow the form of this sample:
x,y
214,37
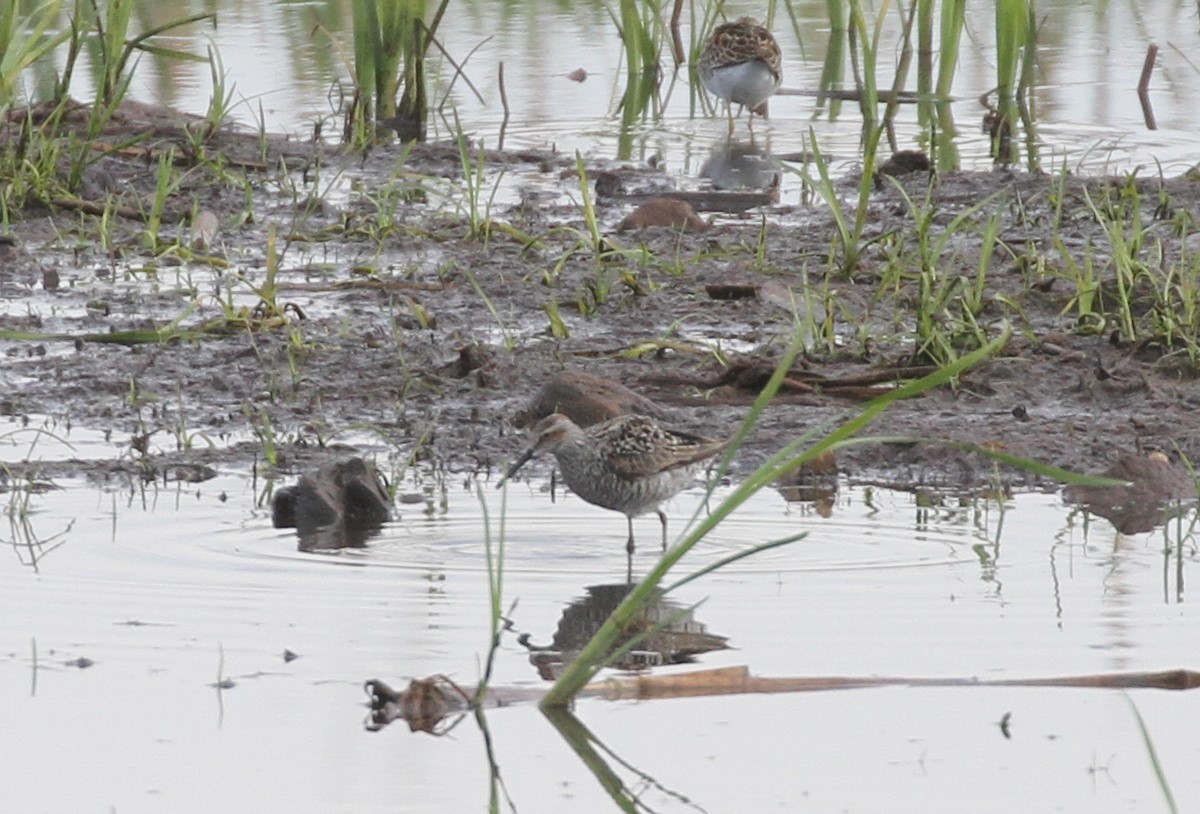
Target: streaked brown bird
x,y
742,64
629,464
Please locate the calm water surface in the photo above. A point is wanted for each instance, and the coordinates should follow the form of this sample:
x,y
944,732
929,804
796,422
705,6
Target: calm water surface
x,y
281,64
166,588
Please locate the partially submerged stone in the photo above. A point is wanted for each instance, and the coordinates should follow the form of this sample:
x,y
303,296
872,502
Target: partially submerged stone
x,y
663,212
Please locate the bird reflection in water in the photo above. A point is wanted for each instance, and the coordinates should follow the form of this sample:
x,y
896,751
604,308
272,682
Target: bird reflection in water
x,y
741,165
669,633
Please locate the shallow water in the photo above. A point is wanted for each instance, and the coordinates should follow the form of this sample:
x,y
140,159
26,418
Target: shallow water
x,y
166,588
281,66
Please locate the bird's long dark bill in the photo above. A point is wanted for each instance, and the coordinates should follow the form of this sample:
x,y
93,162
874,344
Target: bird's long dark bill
x,y
517,464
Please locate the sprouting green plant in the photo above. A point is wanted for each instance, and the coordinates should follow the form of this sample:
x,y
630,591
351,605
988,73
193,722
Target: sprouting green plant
x,y
420,313
934,109
474,166
950,30
1122,224
848,232
558,328
115,52
1175,314
599,286
1015,52
815,333
974,297
391,40
29,166
268,292
867,51
26,36
938,287
1085,301
589,208
134,397
642,34
247,214
165,184
184,437
510,341
760,246
264,431
220,101
385,200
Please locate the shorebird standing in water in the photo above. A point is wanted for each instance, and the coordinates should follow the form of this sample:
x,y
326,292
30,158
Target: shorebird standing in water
x,y
629,464
741,63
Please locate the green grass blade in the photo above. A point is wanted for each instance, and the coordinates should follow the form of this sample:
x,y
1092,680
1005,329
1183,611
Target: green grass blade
x,y
1152,753
592,656
734,557
580,740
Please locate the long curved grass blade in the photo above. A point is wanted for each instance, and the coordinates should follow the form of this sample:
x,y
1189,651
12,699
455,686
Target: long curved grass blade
x,y
580,671
1154,761
494,552
579,739
661,625
734,557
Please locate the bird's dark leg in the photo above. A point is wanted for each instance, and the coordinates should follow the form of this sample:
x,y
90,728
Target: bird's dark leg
x,y
629,552
663,517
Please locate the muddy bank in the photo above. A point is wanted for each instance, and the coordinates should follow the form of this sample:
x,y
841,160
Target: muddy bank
x,y
399,310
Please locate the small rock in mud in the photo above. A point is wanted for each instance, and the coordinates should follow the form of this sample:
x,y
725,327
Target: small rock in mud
x,y
205,229
470,358
608,184
8,248
901,163
663,212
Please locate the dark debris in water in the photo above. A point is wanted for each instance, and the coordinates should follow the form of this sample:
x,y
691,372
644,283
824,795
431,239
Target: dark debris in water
x,y
339,505
427,705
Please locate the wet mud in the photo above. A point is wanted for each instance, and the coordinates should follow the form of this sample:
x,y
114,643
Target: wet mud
x,y
428,323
